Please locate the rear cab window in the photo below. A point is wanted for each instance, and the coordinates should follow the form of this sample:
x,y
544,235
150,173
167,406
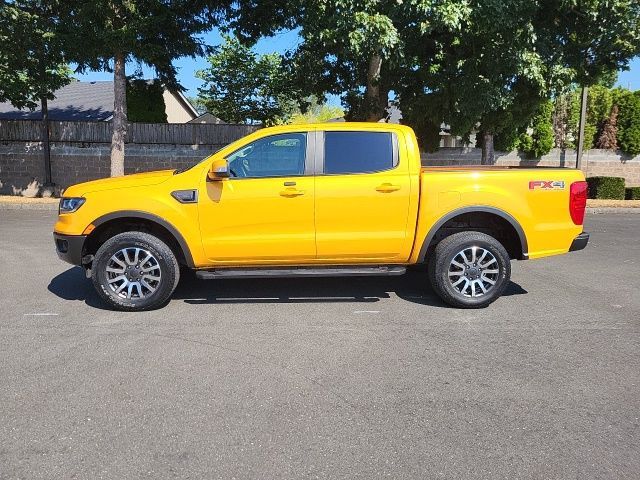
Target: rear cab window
x,y
349,152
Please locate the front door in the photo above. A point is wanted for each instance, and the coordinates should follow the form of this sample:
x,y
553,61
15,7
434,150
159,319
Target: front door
x,y
263,213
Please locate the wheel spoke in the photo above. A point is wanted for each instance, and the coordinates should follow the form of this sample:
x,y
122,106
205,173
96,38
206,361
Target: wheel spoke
x,y
484,254
459,282
146,259
488,280
473,254
121,287
125,252
119,262
115,270
151,277
117,279
473,288
464,255
147,286
482,287
488,263
491,271
457,264
456,274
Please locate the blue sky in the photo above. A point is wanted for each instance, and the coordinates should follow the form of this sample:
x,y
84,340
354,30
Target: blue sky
x,y
280,43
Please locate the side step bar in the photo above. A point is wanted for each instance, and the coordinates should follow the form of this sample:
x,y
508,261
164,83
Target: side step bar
x,y
347,271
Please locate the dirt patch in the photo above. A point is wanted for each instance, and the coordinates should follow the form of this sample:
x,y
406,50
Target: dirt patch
x,y
20,199
613,203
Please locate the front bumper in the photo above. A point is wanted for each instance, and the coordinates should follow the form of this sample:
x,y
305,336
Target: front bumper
x,y
579,242
69,247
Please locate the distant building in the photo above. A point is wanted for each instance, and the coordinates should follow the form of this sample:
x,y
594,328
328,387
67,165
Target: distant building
x,y
206,118
93,101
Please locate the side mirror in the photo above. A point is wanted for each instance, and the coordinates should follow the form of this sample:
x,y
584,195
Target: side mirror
x,y
219,170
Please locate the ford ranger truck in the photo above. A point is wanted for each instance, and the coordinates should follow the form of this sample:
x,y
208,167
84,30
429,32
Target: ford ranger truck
x,y
319,200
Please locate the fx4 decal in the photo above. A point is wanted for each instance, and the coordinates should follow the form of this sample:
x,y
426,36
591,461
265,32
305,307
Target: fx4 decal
x,y
546,185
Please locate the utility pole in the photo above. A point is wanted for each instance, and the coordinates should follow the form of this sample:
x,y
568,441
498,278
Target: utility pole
x,y
583,120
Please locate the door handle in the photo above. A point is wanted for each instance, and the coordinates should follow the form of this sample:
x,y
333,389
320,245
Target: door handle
x,y
387,188
291,192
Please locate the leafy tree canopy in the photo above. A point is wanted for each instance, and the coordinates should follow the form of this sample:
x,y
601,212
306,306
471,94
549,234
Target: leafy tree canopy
x,y
32,62
243,87
316,112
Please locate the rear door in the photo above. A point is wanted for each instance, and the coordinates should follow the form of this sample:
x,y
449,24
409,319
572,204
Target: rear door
x,y
362,198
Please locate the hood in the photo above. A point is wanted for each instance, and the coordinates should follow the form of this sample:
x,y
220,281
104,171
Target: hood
x,y
128,181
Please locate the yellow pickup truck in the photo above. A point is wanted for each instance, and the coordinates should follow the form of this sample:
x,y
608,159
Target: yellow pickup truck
x,y
319,200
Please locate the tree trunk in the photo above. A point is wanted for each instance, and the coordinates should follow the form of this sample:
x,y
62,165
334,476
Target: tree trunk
x,y
375,111
119,116
46,147
488,153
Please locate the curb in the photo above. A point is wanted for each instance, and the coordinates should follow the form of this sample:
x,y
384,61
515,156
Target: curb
x,y
29,206
600,210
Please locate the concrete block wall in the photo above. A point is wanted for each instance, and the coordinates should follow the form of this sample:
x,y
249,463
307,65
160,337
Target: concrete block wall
x,y
595,162
22,164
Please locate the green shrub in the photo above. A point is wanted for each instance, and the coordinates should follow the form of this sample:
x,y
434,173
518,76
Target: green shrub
x,y
629,123
145,102
632,193
611,188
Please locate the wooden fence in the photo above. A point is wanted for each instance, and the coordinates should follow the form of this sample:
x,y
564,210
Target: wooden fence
x,y
139,133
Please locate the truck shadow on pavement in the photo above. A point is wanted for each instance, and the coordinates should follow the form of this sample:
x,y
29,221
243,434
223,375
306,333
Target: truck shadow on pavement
x,y
412,287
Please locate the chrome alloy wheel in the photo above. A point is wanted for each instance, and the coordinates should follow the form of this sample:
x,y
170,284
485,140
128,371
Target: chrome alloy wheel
x,y
473,271
133,272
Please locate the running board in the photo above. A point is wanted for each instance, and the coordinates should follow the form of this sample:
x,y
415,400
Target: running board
x,y
349,271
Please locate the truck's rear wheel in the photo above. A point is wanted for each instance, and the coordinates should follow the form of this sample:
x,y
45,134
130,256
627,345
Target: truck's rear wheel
x,y
135,271
469,269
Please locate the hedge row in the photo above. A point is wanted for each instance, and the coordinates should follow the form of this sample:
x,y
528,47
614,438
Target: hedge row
x,y
632,193
611,188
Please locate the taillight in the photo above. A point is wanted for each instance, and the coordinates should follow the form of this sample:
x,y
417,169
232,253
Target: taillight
x,y
578,201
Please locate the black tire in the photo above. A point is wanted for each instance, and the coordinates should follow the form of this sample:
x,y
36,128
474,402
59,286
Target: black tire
x,y
162,254
441,260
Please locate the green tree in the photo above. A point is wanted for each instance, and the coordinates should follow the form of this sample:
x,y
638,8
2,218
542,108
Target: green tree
x,y
352,49
316,112
541,132
243,87
145,101
106,34
608,137
32,60
508,57
628,134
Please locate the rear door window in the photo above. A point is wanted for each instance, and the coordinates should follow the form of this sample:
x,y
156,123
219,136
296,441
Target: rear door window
x,y
358,152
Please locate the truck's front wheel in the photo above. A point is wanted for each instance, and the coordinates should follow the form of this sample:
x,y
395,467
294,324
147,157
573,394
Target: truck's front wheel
x,y
469,269
135,271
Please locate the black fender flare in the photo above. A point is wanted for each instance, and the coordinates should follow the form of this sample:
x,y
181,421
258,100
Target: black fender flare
x,y
483,209
152,218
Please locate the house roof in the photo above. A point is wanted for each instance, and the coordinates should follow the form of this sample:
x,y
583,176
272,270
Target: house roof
x,y
73,102
80,101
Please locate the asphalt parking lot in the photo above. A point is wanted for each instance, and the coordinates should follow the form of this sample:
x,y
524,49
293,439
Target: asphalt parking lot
x,y
322,378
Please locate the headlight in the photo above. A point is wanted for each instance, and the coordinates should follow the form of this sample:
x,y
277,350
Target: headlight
x,y
70,205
